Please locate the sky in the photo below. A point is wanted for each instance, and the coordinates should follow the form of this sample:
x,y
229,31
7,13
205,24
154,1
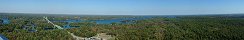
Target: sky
x,y
123,7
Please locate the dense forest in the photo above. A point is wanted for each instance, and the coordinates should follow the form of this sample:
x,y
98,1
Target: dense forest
x,y
187,27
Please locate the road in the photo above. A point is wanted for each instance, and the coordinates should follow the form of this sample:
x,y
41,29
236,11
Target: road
x,y
75,37
59,27
101,36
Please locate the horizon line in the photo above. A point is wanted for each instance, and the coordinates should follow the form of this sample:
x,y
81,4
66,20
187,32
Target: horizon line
x,y
118,14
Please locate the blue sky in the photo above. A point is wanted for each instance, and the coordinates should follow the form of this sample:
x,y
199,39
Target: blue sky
x,y
123,7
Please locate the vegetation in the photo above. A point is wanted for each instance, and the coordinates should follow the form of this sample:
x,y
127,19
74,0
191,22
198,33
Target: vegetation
x,y
201,27
206,28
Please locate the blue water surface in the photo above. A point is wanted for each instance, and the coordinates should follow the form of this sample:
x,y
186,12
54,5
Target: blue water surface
x,y
106,21
5,21
3,37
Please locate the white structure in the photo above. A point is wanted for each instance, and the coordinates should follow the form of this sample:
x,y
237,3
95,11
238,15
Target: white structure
x,y
59,27
101,36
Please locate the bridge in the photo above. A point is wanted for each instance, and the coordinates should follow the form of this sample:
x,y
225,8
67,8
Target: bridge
x,y
59,27
74,36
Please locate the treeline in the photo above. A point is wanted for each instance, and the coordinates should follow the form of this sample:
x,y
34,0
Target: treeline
x,y
205,28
